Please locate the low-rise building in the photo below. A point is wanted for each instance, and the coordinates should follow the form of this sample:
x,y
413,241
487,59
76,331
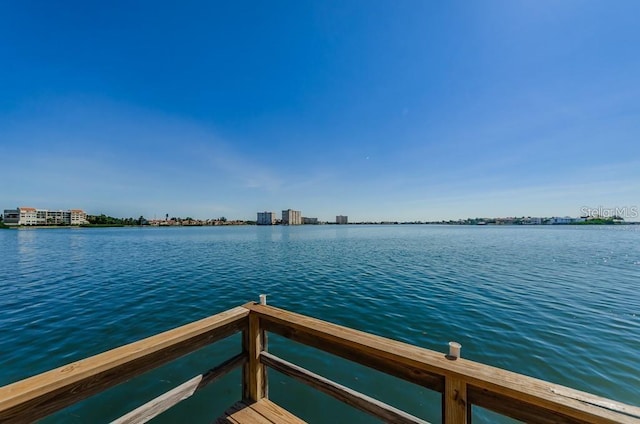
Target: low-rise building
x,y
58,217
29,216
557,220
309,221
78,217
11,216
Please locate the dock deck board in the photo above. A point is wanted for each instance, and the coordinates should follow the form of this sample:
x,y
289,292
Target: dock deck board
x,y
261,412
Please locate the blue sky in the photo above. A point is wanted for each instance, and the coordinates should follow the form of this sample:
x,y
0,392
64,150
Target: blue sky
x,y
410,110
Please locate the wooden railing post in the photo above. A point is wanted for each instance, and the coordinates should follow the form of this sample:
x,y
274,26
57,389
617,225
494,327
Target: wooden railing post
x,y
255,373
455,407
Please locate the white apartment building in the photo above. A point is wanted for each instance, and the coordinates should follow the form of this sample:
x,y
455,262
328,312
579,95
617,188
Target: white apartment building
x,y
28,216
266,218
342,219
291,217
25,216
78,217
32,216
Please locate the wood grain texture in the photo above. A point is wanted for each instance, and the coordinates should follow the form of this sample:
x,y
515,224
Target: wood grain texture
x,y
612,405
365,403
404,370
517,409
227,417
223,369
362,347
275,412
36,397
455,407
261,412
257,379
160,404
461,381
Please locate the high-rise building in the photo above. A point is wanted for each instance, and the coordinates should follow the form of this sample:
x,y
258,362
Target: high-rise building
x,y
266,218
291,217
342,219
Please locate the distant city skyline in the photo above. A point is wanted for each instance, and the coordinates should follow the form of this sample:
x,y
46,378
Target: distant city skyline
x,y
382,111
39,216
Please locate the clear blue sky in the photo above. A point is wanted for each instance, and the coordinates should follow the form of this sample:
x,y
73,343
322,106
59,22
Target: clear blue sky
x,y
408,110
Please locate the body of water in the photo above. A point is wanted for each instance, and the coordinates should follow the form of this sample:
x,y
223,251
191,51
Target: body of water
x,y
560,303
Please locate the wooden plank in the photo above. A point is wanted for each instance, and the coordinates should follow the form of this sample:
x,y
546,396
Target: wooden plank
x,y
246,393
169,399
257,380
223,369
245,414
454,402
345,394
226,416
262,411
517,409
612,405
160,404
405,370
530,414
367,348
36,397
275,413
226,420
248,415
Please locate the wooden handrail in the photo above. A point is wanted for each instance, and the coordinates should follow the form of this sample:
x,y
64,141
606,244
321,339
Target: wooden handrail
x,y
36,397
157,406
465,382
349,396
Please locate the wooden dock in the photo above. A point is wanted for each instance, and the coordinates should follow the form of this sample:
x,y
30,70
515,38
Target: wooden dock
x,y
462,384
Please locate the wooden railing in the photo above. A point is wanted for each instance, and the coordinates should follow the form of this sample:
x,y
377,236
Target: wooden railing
x,y
462,383
36,397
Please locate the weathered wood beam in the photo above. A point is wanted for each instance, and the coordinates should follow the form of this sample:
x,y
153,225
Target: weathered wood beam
x,y
156,406
455,406
406,370
522,411
36,397
257,375
349,396
223,369
516,409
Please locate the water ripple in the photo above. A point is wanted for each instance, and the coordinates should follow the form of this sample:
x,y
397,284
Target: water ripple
x,y
557,303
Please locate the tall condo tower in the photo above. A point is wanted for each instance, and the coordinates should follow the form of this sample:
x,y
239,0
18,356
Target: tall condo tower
x,y
291,217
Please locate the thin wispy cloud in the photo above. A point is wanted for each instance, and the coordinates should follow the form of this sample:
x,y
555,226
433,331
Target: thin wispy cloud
x,y
133,151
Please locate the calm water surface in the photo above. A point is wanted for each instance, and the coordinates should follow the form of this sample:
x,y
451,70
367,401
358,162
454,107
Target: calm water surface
x,y
557,303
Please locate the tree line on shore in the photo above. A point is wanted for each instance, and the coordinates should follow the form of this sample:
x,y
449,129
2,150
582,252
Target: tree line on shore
x,y
103,220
